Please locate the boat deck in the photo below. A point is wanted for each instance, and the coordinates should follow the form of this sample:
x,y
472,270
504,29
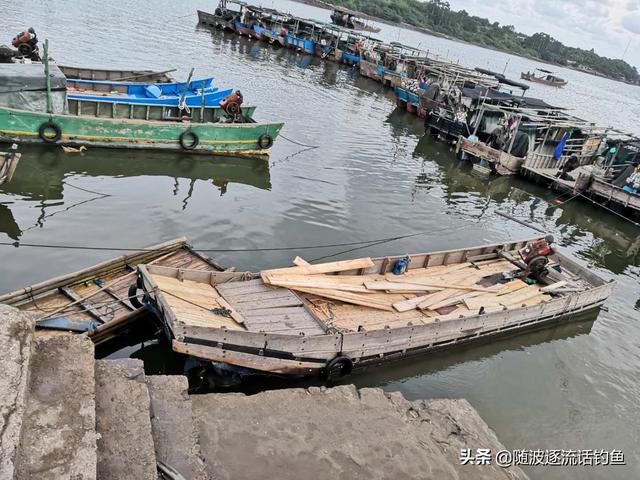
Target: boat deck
x,y
98,299
327,303
598,189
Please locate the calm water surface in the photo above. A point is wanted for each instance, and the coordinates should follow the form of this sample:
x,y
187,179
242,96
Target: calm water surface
x,y
373,176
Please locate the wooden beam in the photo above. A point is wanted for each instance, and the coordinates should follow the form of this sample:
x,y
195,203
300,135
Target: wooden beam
x,y
90,309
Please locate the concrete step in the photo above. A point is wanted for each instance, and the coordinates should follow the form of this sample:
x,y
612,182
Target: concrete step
x,y
341,432
125,447
175,432
58,438
16,337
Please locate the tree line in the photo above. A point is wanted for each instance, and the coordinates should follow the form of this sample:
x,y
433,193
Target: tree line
x,y
437,16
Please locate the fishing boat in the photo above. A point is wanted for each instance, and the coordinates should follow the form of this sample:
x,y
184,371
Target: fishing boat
x,y
49,120
244,139
224,17
300,35
334,318
101,300
8,163
350,19
116,75
547,78
208,97
150,89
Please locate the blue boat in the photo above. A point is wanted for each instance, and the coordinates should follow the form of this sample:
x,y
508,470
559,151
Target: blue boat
x,y
211,98
151,90
305,45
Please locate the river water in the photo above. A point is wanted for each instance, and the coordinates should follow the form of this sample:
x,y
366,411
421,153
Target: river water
x,y
372,176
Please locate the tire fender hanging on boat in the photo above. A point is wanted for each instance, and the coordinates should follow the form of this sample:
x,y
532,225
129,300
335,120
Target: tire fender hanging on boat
x,y
338,367
189,139
265,141
48,126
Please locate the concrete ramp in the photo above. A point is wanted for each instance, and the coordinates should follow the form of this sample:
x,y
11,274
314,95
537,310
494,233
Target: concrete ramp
x,y
341,433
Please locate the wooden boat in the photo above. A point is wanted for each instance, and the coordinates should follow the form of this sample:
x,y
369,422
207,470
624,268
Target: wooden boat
x,y
8,163
547,78
97,299
210,97
139,88
116,75
330,319
244,139
348,19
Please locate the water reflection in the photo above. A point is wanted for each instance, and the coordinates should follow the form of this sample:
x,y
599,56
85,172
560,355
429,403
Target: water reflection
x,y
43,175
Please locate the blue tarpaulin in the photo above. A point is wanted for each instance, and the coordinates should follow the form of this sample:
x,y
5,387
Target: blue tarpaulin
x,y
557,153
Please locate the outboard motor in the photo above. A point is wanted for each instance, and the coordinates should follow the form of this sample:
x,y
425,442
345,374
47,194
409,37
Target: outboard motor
x,y
231,106
27,44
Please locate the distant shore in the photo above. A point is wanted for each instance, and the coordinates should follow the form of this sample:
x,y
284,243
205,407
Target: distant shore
x,y
329,6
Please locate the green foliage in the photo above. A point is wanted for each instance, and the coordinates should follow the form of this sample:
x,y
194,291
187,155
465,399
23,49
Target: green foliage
x,y
437,16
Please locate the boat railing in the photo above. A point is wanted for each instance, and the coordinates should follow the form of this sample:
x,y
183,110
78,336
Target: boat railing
x,y
539,161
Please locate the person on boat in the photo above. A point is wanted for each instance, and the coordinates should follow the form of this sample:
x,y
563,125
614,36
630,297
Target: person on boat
x,y
520,147
633,182
569,166
497,139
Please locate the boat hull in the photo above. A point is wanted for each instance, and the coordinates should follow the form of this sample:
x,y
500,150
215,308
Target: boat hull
x,y
214,138
313,354
86,73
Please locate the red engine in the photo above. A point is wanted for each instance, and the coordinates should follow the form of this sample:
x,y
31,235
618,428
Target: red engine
x,y
537,248
231,104
22,37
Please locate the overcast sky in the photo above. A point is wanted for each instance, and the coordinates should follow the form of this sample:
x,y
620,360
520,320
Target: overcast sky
x,y
607,26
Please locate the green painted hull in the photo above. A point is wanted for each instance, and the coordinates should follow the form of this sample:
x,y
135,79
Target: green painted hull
x,y
214,138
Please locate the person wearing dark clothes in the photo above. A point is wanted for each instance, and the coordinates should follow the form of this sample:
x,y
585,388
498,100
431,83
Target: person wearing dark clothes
x,y
520,146
568,166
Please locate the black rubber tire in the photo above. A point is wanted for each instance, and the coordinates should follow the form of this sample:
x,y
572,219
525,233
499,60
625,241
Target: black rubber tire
x,y
49,126
265,141
133,298
338,367
186,145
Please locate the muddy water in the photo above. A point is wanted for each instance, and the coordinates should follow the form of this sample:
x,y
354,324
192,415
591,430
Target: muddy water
x,y
372,176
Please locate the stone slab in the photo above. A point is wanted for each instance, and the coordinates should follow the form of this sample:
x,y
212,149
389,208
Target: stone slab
x,y
175,432
341,433
58,438
16,336
125,446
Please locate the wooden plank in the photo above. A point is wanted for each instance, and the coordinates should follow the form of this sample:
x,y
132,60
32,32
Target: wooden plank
x,y
365,300
410,304
396,286
438,297
90,309
460,298
311,282
339,266
553,287
300,262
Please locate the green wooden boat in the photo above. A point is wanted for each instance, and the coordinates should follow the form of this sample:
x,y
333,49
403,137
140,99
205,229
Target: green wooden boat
x,y
28,118
245,139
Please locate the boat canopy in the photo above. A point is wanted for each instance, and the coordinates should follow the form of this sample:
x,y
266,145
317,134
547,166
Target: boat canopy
x,y
495,96
24,86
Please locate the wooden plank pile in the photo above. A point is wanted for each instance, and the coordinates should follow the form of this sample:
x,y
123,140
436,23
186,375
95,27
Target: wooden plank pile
x,y
436,291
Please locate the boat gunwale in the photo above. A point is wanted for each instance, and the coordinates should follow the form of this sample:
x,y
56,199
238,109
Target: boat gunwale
x,y
28,293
